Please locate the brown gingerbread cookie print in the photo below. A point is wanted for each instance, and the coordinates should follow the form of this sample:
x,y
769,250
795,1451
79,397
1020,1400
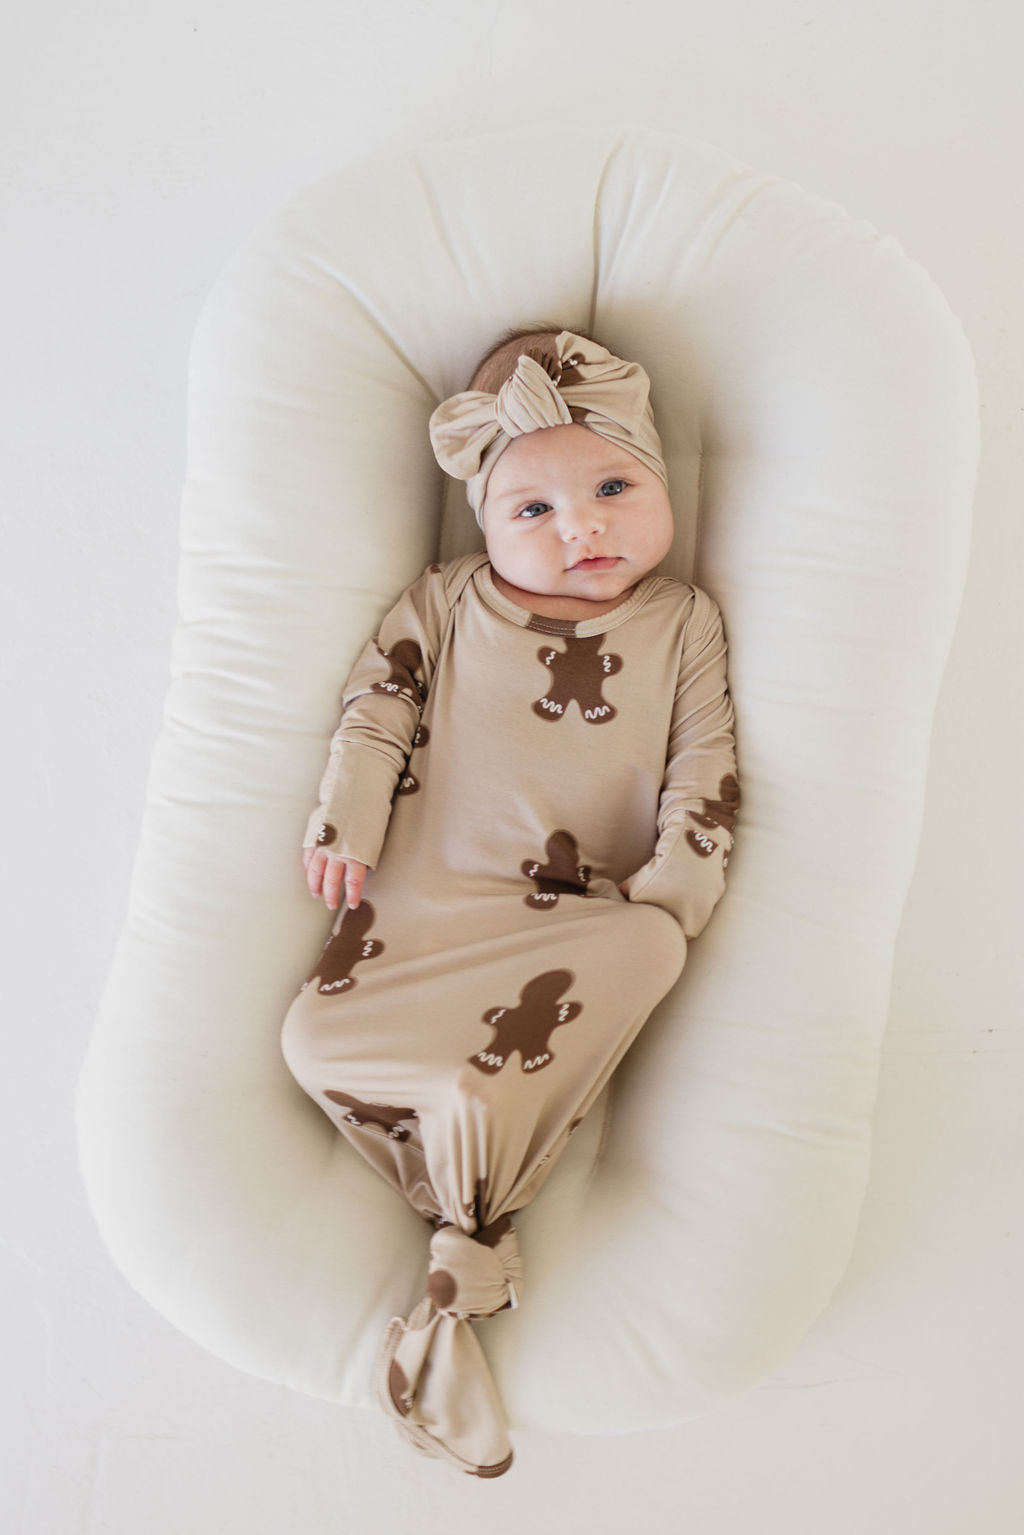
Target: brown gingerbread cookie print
x,y
326,834
578,673
563,874
359,1113
717,812
726,807
344,950
409,783
404,659
528,1027
562,371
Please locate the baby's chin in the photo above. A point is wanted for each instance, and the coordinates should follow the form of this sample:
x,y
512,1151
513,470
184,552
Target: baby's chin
x,y
600,585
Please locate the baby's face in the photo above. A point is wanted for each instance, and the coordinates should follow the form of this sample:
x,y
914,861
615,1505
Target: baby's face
x,y
574,520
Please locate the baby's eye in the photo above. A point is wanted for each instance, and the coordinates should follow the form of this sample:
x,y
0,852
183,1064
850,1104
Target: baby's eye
x,y
535,509
612,488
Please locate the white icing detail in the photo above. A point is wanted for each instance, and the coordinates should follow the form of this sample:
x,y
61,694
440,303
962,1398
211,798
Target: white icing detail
x,y
593,714
337,985
563,1012
538,1060
552,708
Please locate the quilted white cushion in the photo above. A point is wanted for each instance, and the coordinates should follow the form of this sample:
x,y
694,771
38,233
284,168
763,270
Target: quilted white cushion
x,y
817,404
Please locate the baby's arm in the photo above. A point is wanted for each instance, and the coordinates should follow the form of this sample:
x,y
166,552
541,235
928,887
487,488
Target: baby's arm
x,y
700,792
383,701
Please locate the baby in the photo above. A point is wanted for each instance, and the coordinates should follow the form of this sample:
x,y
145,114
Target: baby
x,y
536,761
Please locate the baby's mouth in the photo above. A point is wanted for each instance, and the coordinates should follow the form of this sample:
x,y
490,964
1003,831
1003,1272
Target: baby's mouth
x,y
599,562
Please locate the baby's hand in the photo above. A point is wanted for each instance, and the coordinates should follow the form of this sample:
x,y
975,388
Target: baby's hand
x,y
327,872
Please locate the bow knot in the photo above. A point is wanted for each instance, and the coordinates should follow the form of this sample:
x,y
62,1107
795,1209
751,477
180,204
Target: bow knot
x,y
530,399
475,1276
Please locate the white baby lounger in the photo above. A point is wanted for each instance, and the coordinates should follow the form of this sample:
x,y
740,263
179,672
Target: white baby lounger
x,y
817,406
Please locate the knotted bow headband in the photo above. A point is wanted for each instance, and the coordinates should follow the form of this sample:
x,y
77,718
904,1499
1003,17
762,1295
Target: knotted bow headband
x,y
582,383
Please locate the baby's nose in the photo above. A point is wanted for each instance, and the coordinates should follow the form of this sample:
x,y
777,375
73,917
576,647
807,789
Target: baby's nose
x,y
581,519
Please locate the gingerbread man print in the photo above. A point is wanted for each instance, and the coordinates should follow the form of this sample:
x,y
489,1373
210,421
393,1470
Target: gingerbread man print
x,y
344,950
381,1114
403,660
717,812
409,783
563,874
528,1027
578,673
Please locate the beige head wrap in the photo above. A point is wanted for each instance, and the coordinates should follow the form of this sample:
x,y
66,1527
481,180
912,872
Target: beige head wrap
x,y
582,383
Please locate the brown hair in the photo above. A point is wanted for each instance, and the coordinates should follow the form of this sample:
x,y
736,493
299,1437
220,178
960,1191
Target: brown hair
x,y
499,363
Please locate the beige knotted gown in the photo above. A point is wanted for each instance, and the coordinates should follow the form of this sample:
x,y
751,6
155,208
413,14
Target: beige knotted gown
x,y
460,1022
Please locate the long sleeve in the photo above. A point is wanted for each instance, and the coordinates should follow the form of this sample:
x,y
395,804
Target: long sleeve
x,y
382,703
700,794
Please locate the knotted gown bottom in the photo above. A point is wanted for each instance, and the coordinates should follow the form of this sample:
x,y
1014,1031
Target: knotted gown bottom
x,y
460,1075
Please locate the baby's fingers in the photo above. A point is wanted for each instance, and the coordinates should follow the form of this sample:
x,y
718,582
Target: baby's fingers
x,y
355,874
333,877
315,865
327,872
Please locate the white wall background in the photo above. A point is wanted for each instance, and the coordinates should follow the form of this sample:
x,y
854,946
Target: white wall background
x,y
139,146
